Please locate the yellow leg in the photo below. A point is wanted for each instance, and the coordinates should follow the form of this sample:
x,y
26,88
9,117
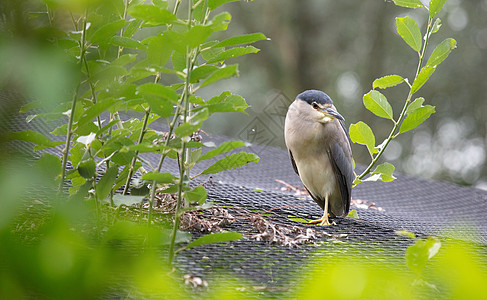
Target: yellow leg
x,y
323,220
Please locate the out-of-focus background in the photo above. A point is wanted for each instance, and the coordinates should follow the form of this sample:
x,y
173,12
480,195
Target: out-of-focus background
x,y
340,47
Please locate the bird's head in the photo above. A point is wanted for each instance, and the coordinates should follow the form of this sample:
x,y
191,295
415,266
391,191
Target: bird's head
x,y
317,106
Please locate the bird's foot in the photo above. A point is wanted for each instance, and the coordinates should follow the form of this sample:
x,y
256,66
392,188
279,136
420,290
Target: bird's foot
x,y
323,221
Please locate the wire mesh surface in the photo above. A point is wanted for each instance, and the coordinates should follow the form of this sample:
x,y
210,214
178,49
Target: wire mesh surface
x,y
422,206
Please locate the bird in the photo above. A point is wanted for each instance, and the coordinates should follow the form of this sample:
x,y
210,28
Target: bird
x,y
320,152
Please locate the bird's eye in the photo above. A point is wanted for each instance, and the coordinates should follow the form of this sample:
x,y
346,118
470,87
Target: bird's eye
x,y
315,105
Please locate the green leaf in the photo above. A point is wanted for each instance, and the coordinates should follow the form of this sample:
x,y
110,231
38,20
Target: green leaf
x,y
94,111
209,51
385,172
409,3
406,233
361,133
186,129
199,116
142,190
231,162
202,72
220,22
124,60
152,15
212,238
87,168
232,53
104,186
194,156
422,78
197,35
417,103
181,236
103,34
223,148
199,9
35,137
159,90
353,214
158,50
441,52
50,166
435,7
127,42
193,38
409,31
387,81
179,61
143,147
108,74
436,25
193,124
417,117
159,97
128,200
242,39
161,3
221,73
212,4
418,254
159,177
76,153
377,103
227,103
132,28
196,195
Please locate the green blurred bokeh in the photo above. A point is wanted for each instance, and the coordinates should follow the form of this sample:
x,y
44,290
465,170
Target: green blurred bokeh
x,y
56,248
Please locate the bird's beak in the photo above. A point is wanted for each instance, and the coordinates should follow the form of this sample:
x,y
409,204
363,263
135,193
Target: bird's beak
x,y
333,114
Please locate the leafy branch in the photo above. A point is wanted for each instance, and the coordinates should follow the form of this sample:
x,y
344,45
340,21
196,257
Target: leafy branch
x,y
414,112
156,76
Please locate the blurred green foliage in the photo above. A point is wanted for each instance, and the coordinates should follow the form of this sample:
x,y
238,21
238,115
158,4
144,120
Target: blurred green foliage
x,y
55,247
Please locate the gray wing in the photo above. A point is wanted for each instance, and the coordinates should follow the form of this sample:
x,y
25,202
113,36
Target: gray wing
x,y
293,162
341,158
342,124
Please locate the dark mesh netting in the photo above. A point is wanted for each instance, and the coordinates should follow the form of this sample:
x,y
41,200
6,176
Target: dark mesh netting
x,y
251,193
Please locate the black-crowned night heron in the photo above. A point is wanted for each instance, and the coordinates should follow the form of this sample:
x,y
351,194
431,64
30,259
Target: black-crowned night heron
x,y
319,148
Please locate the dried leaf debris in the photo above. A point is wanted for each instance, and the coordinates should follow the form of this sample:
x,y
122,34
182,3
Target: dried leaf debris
x,y
257,226
282,234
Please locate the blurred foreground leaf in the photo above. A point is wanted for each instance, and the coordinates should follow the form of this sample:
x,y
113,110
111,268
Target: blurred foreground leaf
x,y
418,254
212,238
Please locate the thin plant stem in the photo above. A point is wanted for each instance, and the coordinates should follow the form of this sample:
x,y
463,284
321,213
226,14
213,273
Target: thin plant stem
x,y
140,140
124,17
92,89
69,132
134,159
172,125
393,134
182,165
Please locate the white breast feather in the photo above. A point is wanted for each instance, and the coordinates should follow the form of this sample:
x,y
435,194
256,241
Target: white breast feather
x,y
318,179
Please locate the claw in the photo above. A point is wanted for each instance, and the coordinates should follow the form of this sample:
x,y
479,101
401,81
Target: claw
x,y
323,221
